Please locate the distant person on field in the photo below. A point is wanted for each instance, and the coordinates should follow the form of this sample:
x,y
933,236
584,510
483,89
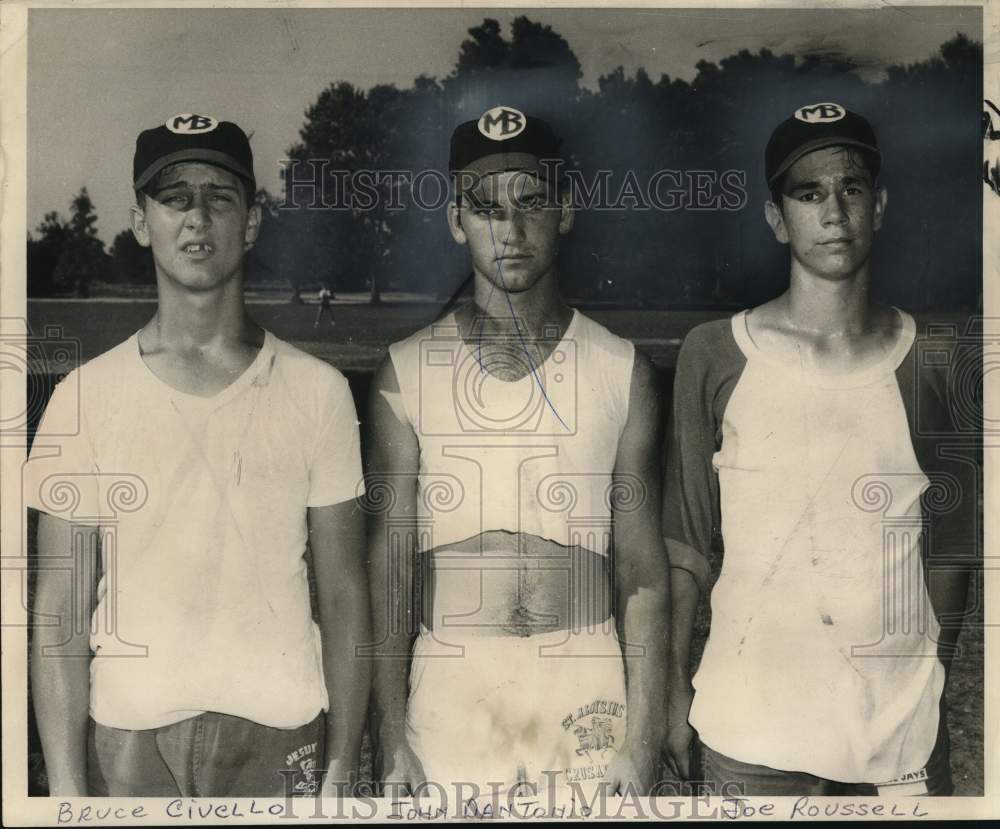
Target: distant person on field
x,y
325,297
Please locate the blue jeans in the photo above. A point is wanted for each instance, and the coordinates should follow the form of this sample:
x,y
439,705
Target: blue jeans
x,y
210,755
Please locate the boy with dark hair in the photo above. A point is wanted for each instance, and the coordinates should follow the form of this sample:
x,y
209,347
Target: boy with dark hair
x,y
803,435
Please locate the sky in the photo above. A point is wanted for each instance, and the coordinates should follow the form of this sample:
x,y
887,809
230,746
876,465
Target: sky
x,y
97,77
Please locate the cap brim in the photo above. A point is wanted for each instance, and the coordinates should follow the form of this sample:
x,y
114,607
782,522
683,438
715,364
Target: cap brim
x,y
510,162
819,144
214,157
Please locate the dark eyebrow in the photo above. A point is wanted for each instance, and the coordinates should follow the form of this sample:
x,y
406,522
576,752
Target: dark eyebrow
x,y
478,202
172,186
801,186
183,183
855,180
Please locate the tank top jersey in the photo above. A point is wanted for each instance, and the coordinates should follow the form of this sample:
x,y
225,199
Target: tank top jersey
x,y
531,456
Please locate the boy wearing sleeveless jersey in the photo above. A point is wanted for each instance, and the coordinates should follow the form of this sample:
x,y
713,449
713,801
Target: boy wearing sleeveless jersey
x,y
509,439
205,453
807,432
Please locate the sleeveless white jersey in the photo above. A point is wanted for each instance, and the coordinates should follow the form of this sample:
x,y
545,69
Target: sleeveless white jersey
x,y
534,456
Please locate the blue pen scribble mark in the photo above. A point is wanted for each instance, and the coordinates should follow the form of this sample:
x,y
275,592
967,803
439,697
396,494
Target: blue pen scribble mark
x,y
513,316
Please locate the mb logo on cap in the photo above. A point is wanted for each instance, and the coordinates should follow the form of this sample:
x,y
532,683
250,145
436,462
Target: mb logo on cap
x,y
814,127
190,137
817,113
501,123
503,139
189,124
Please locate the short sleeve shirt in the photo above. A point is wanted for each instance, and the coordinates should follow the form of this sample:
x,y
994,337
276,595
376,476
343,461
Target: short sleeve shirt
x,y
204,599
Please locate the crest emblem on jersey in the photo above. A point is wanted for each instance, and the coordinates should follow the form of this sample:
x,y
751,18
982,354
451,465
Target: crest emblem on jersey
x,y
599,737
191,124
820,113
502,123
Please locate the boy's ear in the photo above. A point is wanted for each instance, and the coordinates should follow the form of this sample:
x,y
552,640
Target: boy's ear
x,y
566,214
776,220
137,221
881,198
254,217
455,223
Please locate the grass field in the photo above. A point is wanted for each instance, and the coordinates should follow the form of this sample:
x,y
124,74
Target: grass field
x,y
358,340
356,344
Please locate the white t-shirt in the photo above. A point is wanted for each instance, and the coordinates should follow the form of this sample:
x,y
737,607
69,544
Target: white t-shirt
x,y
203,603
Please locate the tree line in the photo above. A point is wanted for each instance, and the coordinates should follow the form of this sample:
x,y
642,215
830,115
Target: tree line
x,y
671,172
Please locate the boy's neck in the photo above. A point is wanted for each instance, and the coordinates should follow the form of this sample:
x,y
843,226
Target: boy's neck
x,y
203,320
828,308
534,309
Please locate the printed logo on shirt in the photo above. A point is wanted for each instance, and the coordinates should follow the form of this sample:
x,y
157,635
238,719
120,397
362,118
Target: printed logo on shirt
x,y
599,737
578,774
598,706
594,726
909,784
304,756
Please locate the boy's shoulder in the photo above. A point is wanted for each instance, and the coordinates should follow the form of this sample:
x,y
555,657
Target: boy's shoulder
x,y
589,333
445,327
710,357
709,337
115,367
303,370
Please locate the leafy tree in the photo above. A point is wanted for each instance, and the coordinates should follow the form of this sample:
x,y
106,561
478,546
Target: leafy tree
x,y
299,246
930,253
349,131
83,258
486,49
535,71
44,253
631,128
131,263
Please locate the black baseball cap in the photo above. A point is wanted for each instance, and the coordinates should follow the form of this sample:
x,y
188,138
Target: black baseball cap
x,y
814,127
504,138
190,137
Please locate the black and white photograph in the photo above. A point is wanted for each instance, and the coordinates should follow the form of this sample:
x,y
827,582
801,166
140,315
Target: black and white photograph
x,y
486,412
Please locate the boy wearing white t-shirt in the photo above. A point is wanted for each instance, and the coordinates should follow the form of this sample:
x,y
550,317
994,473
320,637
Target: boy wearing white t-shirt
x,y
198,458
806,433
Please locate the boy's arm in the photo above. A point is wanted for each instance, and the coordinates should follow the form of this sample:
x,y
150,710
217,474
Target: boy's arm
x,y
642,582
690,511
684,596
391,475
60,650
337,541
